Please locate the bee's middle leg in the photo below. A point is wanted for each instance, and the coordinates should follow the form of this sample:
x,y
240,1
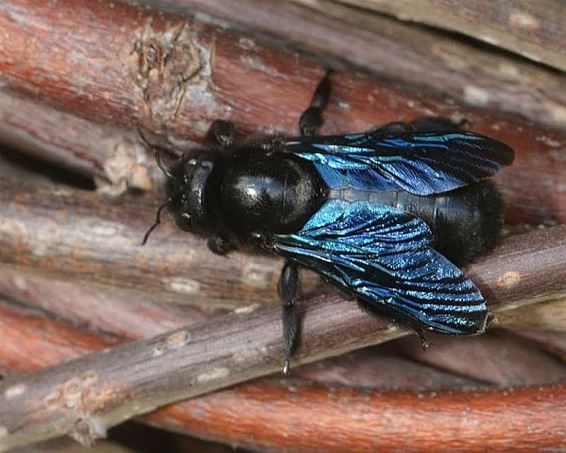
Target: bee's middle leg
x,y
288,291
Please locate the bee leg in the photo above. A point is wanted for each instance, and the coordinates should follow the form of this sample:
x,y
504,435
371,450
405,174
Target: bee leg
x,y
395,127
311,120
288,291
220,245
223,133
424,342
423,124
437,124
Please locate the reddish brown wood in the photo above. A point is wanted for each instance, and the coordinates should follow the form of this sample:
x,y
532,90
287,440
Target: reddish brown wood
x,y
505,359
552,341
78,234
482,358
417,56
325,419
30,341
85,396
69,232
211,73
47,133
532,29
331,326
521,208
244,415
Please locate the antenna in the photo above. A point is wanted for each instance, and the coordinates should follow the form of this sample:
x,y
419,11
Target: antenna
x,y
157,221
156,153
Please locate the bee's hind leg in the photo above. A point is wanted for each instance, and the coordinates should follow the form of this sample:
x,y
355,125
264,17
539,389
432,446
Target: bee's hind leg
x,y
438,124
423,124
288,291
420,333
311,120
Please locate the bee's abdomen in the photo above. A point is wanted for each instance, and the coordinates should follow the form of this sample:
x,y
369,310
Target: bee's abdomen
x,y
466,222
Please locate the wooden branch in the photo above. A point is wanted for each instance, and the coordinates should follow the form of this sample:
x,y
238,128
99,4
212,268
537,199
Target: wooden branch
x,y
387,421
52,135
87,395
129,315
83,421
43,341
553,341
263,90
66,445
416,56
548,316
78,234
534,30
250,404
506,359
66,232
137,377
126,313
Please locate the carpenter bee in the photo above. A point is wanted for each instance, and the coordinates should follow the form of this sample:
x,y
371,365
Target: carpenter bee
x,y
381,215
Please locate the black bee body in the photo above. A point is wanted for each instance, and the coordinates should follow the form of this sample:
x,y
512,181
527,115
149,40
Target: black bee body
x,y
376,214
251,194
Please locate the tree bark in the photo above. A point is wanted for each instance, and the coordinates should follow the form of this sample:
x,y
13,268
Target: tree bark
x,y
534,30
85,396
174,76
418,56
100,70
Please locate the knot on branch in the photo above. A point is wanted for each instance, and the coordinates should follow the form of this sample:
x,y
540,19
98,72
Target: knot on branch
x,y
87,430
163,63
73,401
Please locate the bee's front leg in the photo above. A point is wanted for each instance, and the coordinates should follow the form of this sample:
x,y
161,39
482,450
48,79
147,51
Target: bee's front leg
x,y
288,291
220,244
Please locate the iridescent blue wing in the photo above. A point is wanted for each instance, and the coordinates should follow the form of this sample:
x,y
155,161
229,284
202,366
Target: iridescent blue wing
x,y
384,257
422,163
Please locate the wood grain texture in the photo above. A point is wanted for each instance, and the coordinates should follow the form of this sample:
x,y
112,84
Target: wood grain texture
x,y
137,79
505,358
534,30
244,415
137,377
81,235
44,341
415,56
76,233
483,356
174,76
385,421
127,313
49,134
85,396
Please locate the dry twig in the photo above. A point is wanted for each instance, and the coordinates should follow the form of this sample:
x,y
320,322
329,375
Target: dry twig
x,y
85,396
174,76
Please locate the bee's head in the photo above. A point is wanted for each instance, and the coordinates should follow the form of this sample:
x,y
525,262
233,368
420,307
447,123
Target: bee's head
x,y
186,187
